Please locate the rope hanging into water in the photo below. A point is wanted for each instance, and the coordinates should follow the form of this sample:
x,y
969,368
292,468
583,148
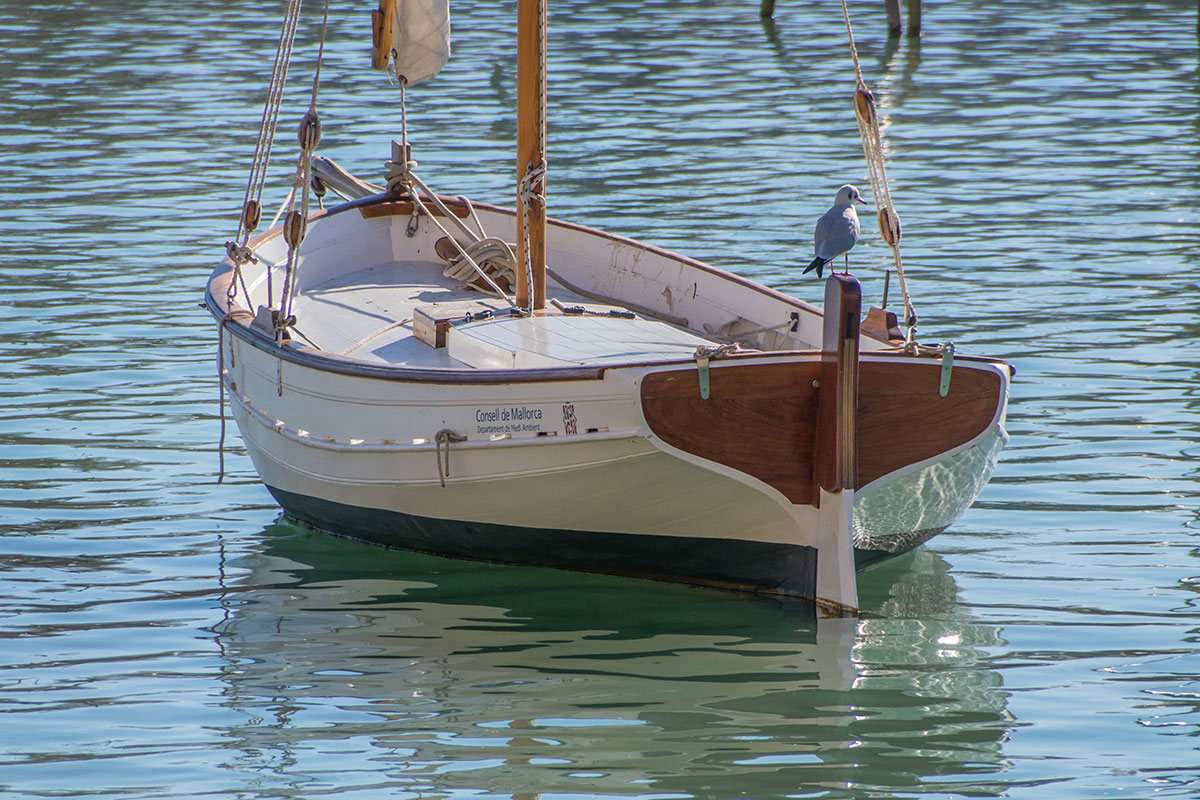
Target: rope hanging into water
x,y
238,250
221,407
872,141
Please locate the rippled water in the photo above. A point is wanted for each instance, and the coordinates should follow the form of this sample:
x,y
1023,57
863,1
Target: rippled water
x,y
163,635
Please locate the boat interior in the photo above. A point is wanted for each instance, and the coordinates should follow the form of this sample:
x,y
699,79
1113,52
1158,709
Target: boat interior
x,y
408,313
419,304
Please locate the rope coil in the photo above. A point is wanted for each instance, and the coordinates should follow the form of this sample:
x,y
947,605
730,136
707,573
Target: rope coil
x,y
418,204
491,255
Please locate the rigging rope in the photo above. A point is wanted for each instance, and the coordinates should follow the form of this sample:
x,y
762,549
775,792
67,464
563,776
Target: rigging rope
x,y
465,252
872,141
403,117
296,222
238,251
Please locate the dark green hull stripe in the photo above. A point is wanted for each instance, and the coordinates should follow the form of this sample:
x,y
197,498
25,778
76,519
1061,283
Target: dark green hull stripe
x,y
765,567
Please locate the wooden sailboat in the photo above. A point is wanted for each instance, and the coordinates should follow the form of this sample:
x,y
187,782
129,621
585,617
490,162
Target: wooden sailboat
x,y
486,382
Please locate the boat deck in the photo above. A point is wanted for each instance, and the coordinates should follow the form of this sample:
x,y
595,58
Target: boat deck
x,y
369,315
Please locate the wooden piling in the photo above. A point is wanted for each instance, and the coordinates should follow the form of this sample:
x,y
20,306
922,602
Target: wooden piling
x,y
767,9
914,18
893,17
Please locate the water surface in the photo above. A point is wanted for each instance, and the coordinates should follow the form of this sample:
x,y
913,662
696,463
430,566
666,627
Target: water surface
x,y
164,635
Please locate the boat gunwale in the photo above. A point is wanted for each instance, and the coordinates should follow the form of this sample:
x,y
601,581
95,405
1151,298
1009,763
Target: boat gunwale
x,y
345,365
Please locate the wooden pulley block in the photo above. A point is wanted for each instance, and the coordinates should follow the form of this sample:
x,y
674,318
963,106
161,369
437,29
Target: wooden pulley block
x,y
889,225
381,34
309,133
251,214
864,105
293,228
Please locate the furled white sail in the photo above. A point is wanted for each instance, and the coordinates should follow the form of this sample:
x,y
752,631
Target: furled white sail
x,y
414,36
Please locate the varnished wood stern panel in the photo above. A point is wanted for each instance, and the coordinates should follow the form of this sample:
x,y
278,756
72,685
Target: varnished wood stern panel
x,y
902,418
761,419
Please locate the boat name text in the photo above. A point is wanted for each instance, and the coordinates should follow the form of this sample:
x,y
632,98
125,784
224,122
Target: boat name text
x,y
511,419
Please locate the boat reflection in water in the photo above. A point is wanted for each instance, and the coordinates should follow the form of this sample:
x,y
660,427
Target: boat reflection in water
x,y
450,675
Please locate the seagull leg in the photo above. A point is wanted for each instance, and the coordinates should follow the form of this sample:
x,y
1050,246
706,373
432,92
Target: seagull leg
x,y
846,271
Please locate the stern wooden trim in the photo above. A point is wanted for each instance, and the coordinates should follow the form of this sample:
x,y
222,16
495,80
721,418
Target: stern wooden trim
x,y
903,419
759,419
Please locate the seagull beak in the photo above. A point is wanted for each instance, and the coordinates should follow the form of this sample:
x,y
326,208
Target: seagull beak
x,y
859,199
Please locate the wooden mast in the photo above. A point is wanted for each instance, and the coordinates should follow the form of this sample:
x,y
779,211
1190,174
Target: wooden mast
x,y
531,149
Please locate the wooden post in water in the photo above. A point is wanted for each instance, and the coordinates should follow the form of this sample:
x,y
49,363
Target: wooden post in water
x,y
767,9
531,148
914,19
835,469
893,17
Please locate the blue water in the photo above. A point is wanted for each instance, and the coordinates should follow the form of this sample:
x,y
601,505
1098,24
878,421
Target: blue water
x,y
165,636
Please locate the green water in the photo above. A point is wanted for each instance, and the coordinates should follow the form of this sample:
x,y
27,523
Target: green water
x,y
165,636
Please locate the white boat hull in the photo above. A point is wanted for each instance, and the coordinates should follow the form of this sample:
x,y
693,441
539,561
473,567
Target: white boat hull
x,y
587,501
498,446
356,456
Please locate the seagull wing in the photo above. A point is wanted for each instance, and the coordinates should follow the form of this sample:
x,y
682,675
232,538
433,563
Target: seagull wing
x,y
837,231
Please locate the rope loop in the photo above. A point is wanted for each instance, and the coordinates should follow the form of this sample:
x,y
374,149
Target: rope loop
x,y
489,255
444,437
721,351
399,174
527,190
535,173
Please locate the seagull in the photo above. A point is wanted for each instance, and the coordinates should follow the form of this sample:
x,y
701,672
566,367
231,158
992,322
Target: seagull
x,y
837,230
